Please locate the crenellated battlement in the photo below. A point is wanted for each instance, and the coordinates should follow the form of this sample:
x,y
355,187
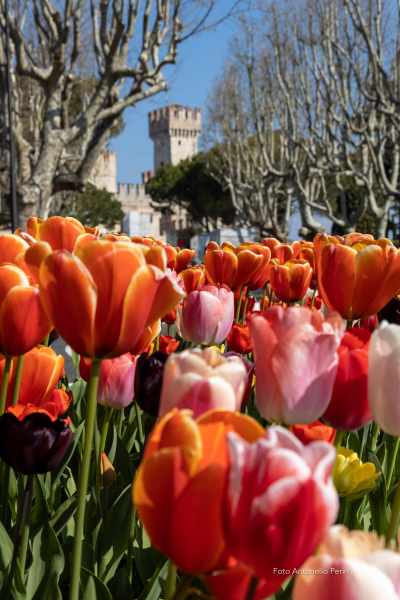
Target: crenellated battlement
x,y
173,119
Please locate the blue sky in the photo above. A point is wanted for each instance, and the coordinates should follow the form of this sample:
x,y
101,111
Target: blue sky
x,y
200,61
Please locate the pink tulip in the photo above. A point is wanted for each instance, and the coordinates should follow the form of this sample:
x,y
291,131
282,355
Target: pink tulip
x,y
280,502
350,565
384,377
203,380
296,362
117,377
206,315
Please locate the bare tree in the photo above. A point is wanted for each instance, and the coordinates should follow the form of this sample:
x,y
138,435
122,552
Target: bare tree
x,y
64,112
322,78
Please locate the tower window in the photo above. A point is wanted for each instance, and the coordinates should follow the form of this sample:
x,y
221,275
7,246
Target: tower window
x,y
179,142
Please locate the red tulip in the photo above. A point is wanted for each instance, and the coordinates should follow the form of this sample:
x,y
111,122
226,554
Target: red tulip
x,y
314,432
349,408
280,502
239,339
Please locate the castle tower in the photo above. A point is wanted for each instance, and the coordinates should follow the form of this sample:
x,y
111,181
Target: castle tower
x,y
175,132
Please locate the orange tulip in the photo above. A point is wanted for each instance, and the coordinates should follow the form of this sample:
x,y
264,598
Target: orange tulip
x,y
23,321
356,279
179,487
253,268
106,300
291,280
42,369
192,278
12,249
183,259
221,265
283,253
60,232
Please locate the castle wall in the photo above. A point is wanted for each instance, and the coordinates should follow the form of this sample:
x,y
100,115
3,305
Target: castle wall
x,y
104,174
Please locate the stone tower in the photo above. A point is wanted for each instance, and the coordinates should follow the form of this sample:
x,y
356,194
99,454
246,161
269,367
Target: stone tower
x,y
174,131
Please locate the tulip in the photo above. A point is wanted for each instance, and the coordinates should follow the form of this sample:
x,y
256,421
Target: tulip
x,y
356,279
233,583
183,259
239,338
202,381
253,266
352,477
168,344
391,311
42,370
107,471
349,565
296,362
291,280
279,502
170,317
23,321
314,432
283,253
12,249
61,233
148,381
221,265
53,405
34,443
349,408
179,487
117,376
106,300
384,377
206,315
192,278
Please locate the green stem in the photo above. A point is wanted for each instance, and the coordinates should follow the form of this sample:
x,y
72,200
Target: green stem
x,y
139,423
4,384
18,378
21,536
104,429
374,437
339,438
239,305
46,340
394,517
84,478
392,464
251,590
170,584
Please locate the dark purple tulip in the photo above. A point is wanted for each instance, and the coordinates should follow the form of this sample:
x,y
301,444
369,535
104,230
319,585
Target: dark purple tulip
x,y
391,311
148,381
35,444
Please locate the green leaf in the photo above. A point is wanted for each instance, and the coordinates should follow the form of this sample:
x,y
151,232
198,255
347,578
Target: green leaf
x,y
6,550
70,453
153,590
115,530
63,514
93,587
47,566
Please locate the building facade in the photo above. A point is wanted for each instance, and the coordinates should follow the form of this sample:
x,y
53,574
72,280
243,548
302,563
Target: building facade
x,y
175,132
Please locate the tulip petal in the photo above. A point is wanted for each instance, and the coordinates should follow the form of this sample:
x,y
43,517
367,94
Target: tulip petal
x,y
195,548
23,322
150,295
68,293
